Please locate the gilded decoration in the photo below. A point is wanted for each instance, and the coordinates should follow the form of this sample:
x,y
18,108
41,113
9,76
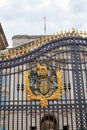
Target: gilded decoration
x,y
43,84
44,40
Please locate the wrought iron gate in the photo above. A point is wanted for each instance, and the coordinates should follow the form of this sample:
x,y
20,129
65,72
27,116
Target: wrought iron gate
x,y
67,113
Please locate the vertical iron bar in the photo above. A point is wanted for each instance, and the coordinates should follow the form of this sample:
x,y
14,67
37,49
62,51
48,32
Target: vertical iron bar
x,y
58,116
35,107
49,113
30,115
69,89
62,108
65,88
1,76
13,98
26,108
84,55
26,113
9,90
53,114
22,89
18,88
5,100
40,113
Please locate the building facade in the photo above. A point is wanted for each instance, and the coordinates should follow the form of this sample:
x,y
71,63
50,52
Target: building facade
x,y
44,83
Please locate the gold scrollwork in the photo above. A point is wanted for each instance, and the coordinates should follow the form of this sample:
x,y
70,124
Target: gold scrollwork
x,y
43,99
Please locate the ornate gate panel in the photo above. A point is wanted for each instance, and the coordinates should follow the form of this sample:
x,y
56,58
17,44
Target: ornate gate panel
x,y
44,85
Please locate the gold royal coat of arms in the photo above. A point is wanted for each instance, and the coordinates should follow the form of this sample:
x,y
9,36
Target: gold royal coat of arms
x,y
43,84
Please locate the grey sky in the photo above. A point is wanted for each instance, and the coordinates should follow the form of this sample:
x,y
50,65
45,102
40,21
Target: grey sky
x,y
27,16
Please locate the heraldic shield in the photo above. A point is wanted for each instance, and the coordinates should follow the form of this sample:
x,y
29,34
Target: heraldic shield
x,y
43,84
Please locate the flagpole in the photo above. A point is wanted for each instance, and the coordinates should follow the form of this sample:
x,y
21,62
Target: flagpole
x,y
45,26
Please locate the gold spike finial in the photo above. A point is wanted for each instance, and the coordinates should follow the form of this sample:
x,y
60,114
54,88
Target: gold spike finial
x,y
85,34
42,40
80,33
61,33
64,33
73,30
68,33
57,35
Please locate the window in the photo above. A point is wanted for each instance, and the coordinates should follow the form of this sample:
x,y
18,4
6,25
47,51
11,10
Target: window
x,y
2,128
33,128
64,99
3,119
5,80
33,102
50,102
4,100
65,127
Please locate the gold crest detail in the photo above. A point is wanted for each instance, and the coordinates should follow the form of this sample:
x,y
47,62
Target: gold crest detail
x,y
43,96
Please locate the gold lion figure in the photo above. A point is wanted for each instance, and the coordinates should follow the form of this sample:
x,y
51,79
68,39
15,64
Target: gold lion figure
x,y
42,70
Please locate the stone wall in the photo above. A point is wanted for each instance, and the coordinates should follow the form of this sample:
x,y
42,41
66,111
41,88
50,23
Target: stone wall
x,y
23,39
